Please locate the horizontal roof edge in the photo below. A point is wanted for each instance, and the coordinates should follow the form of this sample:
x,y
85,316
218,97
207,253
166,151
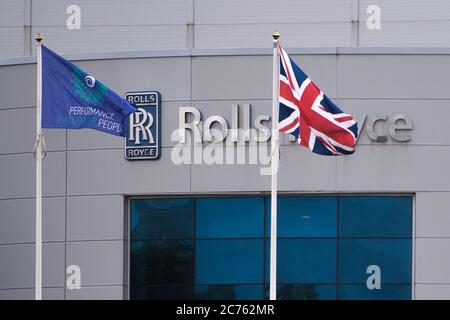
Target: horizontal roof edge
x,y
237,52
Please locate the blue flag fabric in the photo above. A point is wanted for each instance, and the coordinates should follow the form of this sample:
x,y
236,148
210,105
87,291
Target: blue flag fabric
x,y
73,99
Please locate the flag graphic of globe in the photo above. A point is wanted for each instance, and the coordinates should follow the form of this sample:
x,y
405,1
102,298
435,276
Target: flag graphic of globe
x,y
87,88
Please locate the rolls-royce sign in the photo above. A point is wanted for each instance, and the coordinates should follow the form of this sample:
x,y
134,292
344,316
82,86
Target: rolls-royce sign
x,y
143,128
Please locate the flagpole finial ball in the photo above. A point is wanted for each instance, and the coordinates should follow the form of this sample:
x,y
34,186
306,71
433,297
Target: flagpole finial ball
x,y
38,38
275,35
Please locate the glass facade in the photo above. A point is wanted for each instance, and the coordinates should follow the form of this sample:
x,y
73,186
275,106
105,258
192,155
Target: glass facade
x,y
329,247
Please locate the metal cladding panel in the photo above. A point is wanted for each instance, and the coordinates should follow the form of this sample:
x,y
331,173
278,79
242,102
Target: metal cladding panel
x,y
250,77
432,292
17,265
101,39
337,34
13,42
406,34
432,214
394,168
18,175
21,124
110,12
12,13
96,293
107,172
393,76
407,10
101,262
18,86
95,218
432,264
28,294
257,11
18,220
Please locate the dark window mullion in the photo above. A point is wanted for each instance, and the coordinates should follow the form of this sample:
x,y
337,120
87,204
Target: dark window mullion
x,y
337,245
194,241
265,249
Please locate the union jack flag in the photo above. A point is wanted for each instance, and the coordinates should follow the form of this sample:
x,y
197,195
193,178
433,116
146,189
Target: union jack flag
x,y
308,114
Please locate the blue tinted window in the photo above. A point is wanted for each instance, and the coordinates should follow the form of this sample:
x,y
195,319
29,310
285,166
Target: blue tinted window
x,y
393,256
228,261
305,216
216,248
387,292
305,261
161,262
230,217
304,292
375,216
190,292
162,218
230,292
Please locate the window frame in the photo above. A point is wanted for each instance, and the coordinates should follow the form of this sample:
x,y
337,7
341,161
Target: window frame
x,y
127,222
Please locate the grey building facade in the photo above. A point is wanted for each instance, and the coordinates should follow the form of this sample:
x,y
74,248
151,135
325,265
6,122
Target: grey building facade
x,y
88,183
206,24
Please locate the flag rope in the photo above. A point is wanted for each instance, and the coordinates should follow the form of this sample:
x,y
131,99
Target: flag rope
x,y
40,140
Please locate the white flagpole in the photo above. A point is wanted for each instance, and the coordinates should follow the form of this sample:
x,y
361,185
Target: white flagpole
x,y
274,171
38,156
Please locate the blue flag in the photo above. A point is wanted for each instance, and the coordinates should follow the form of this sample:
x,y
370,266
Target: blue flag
x,y
73,99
